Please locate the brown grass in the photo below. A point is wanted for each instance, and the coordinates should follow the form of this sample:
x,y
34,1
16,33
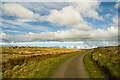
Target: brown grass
x,y
12,56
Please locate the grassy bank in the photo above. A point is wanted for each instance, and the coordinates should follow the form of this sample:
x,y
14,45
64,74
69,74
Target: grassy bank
x,y
108,60
93,70
103,60
36,64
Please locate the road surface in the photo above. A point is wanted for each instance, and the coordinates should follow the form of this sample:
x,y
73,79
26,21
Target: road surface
x,y
71,68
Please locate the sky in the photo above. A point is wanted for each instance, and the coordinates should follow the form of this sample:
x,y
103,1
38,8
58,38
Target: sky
x,y
59,21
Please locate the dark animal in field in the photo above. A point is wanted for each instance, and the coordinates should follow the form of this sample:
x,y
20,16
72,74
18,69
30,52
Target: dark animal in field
x,y
15,47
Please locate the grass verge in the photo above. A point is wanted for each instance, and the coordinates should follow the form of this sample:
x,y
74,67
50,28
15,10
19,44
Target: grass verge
x,y
92,69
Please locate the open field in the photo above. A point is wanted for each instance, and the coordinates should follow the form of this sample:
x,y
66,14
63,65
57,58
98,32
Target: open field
x,y
103,62
20,52
39,62
32,62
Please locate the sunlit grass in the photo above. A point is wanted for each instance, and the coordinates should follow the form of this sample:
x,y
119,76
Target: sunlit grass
x,y
34,65
35,69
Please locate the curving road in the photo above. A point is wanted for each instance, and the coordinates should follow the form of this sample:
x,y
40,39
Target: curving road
x,y
71,68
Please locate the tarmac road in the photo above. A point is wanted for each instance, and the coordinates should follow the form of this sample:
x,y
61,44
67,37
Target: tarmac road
x,y
71,68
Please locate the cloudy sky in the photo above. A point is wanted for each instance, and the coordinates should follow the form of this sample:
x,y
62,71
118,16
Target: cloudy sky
x,y
59,21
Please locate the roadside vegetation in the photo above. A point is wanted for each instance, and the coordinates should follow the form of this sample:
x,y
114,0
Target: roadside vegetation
x,y
93,70
106,59
33,62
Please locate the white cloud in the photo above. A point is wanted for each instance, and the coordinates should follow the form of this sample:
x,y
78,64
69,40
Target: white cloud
x,y
20,24
17,10
72,34
88,9
72,16
107,15
116,6
2,35
25,20
110,34
44,6
7,37
13,9
67,16
115,21
14,31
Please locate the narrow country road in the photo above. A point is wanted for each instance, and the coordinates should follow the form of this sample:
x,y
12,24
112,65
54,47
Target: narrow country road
x,y
71,68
